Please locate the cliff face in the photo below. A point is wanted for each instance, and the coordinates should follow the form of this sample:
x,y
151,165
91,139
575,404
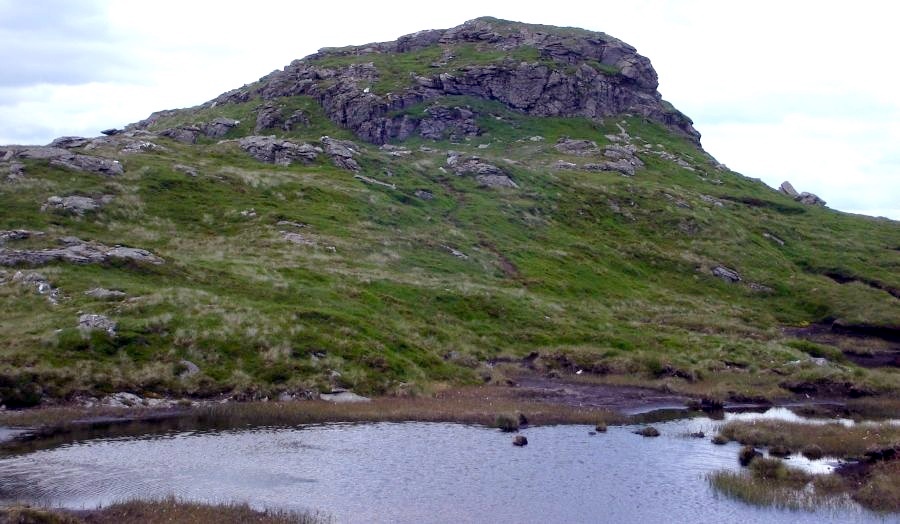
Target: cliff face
x,y
538,70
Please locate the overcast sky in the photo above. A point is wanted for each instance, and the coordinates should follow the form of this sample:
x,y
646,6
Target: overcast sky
x,y
806,91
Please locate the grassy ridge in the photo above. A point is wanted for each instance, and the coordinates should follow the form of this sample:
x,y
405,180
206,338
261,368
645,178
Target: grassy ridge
x,y
611,272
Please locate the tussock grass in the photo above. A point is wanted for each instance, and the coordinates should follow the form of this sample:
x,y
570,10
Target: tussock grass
x,y
167,510
835,440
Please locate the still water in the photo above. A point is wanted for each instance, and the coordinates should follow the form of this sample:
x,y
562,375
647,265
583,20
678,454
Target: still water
x,y
413,472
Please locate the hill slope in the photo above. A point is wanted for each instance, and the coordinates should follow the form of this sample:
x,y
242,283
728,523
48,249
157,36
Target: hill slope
x,y
391,216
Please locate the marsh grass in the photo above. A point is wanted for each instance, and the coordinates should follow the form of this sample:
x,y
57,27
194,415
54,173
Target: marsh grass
x,y
166,510
817,440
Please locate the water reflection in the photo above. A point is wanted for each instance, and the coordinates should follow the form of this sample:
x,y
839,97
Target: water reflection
x,y
410,472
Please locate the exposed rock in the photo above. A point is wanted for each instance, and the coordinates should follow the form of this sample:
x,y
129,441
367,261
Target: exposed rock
x,y
809,199
712,200
788,189
454,123
455,252
186,134
16,170
40,153
620,166
495,181
111,131
343,396
373,181
277,151
40,283
123,400
105,294
18,234
67,142
562,83
187,170
90,164
77,253
726,274
569,146
562,164
648,431
190,369
297,238
773,238
91,322
341,152
298,225
271,116
760,288
75,204
219,127
520,440
423,194
141,146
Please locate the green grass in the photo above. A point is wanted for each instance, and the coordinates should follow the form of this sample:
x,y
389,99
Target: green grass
x,y
605,270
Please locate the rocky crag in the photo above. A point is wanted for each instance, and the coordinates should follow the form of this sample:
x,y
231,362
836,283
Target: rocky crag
x,y
528,68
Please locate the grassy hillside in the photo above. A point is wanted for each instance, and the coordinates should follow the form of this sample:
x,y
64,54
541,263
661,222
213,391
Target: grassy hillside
x,y
592,270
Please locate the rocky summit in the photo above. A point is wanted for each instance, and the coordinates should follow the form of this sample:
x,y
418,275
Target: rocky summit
x,y
459,206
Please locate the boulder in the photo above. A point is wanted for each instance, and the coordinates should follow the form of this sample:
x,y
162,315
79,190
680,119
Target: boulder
x,y
75,204
67,142
186,134
90,164
187,170
494,180
423,194
520,440
341,152
39,282
111,131
277,151
17,234
648,431
16,170
809,199
189,369
105,294
91,322
220,127
726,274
569,146
343,396
788,189
77,252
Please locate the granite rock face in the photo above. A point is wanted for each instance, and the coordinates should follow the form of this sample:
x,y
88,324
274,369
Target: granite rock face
x,y
539,72
276,151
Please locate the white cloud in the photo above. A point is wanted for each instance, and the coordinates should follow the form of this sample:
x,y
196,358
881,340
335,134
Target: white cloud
x,y
799,90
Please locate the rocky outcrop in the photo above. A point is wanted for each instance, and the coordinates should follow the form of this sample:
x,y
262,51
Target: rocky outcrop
x,y
91,322
809,199
454,123
271,116
564,74
220,127
276,151
40,283
64,158
726,274
487,175
90,164
341,152
105,294
18,234
77,252
568,146
75,204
